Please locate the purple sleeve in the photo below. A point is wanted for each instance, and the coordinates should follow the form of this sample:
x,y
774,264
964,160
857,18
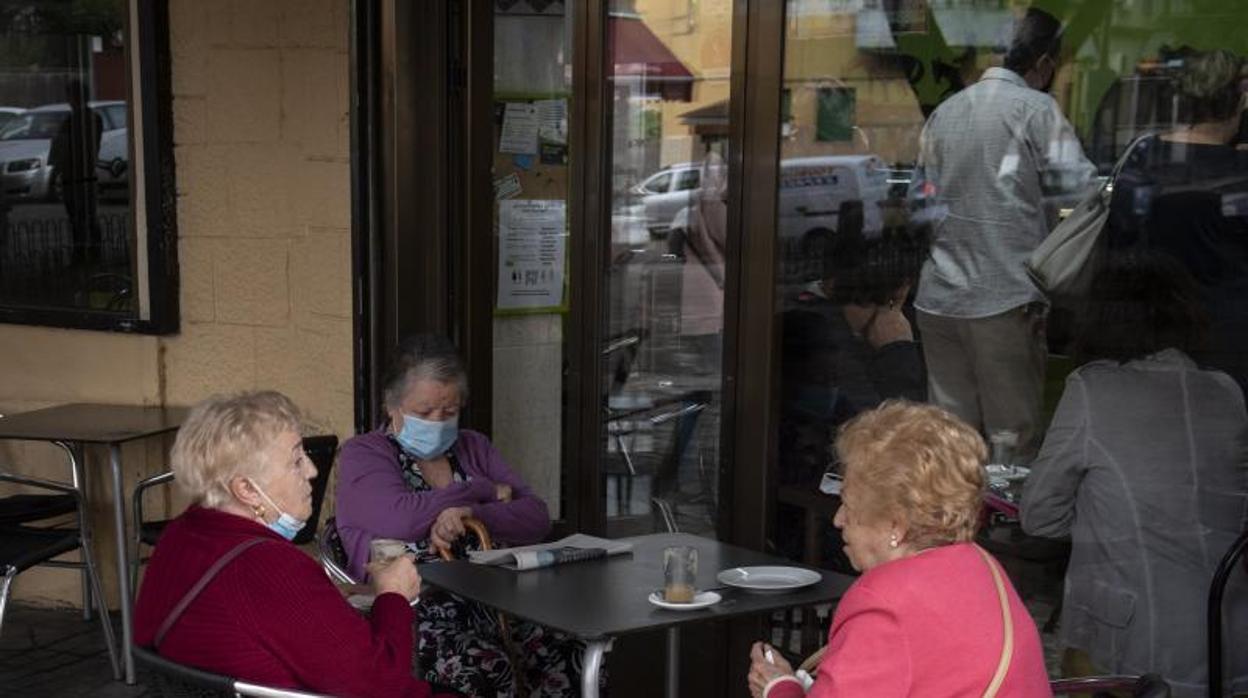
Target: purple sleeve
x,y
521,521
373,497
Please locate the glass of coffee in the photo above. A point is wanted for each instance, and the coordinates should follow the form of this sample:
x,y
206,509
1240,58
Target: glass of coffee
x,y
680,572
383,550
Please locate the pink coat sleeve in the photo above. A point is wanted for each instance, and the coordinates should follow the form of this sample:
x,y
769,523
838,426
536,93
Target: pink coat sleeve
x,y
868,654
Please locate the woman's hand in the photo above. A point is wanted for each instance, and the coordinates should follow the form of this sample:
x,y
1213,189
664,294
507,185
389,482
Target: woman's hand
x,y
398,576
890,326
763,671
448,527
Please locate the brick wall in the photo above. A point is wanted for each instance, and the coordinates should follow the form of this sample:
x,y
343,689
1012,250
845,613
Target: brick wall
x,y
261,133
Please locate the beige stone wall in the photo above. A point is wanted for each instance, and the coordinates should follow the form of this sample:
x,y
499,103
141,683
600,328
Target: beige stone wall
x,y
261,139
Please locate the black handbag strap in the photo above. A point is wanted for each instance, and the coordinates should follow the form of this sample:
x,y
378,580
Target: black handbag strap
x,y
194,591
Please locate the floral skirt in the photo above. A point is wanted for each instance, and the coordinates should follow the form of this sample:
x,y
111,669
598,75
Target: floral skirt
x,y
459,646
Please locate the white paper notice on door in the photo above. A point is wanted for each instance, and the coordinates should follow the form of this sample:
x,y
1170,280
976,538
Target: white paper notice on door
x,y
520,127
532,236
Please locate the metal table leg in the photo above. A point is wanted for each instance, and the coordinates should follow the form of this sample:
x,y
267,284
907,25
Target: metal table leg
x,y
591,665
123,562
672,677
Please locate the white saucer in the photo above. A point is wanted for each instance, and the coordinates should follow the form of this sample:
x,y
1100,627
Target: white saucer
x,y
701,600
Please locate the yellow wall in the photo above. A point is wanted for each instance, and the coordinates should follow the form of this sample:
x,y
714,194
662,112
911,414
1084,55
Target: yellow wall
x,y
261,135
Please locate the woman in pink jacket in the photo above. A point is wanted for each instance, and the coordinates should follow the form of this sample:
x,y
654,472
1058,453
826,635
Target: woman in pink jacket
x,y
932,613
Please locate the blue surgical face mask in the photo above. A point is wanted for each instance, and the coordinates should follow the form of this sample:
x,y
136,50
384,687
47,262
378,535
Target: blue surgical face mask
x,y
286,525
424,439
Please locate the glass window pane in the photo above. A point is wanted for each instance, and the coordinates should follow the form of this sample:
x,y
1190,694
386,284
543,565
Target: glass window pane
x,y
532,73
669,67
66,238
931,152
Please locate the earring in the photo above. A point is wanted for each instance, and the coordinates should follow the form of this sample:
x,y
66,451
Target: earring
x,y
259,511
892,541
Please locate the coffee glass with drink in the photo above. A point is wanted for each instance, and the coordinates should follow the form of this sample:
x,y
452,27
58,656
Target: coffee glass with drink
x,y
680,572
383,550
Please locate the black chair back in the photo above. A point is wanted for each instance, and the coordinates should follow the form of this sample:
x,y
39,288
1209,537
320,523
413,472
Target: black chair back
x,y
321,450
1214,622
173,679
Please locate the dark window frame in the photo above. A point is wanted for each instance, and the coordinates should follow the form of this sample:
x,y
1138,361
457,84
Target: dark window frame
x,y
147,25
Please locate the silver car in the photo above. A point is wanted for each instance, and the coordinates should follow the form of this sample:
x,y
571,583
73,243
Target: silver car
x,y
26,144
668,192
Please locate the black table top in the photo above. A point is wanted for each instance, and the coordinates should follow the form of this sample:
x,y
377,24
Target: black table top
x,y
607,598
92,423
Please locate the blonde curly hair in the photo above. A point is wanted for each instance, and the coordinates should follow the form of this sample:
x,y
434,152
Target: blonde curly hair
x,y
918,464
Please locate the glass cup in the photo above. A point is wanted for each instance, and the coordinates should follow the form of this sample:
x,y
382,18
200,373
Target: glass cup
x,y
1003,442
383,550
680,572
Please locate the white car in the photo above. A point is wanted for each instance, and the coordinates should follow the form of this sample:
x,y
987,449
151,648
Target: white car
x,y
668,192
26,144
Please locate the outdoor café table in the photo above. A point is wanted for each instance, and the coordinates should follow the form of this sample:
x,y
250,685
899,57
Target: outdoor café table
x,y
75,425
599,600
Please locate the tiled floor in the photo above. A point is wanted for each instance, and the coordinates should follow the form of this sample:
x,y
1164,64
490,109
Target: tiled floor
x,y
54,652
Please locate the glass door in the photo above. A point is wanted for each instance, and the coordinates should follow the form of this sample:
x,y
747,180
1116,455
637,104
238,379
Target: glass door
x,y
531,260
668,66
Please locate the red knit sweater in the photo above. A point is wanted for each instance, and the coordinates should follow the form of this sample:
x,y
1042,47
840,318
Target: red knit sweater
x,y
271,616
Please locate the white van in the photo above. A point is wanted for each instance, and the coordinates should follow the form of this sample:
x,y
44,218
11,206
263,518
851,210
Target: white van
x,y
812,190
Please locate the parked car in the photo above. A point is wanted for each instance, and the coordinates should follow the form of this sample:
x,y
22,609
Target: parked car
x,y
812,190
668,192
26,144
112,167
8,114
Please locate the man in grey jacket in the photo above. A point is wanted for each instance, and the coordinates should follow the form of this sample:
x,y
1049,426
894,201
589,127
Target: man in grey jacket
x,y
989,155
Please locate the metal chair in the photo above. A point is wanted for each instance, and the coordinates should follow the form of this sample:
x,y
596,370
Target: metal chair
x,y
331,553
1217,588
1146,686
681,411
23,545
169,678
320,449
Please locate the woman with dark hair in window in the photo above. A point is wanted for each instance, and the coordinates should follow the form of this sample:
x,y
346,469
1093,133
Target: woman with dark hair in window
x,y
1143,467
1185,192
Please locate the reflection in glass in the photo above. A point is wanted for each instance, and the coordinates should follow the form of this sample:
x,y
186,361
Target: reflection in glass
x,y
668,62
64,159
927,148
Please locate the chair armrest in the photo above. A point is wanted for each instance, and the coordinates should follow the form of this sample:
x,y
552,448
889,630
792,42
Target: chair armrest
x,y
39,482
1146,686
137,501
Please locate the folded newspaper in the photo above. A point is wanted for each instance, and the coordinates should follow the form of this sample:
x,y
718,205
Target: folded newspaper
x,y
574,548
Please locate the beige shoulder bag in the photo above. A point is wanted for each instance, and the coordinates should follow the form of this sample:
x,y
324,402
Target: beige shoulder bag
x,y
1007,620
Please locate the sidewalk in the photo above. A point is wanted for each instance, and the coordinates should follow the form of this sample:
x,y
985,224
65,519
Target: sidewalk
x,y
54,652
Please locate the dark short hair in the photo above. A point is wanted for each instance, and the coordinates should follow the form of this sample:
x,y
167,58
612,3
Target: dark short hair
x,y
1143,301
425,355
1037,34
867,272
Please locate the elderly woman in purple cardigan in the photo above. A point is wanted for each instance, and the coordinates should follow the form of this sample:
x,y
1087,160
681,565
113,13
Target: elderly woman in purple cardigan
x,y
415,479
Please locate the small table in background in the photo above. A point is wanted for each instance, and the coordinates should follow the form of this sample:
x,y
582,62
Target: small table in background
x,y
73,426
599,600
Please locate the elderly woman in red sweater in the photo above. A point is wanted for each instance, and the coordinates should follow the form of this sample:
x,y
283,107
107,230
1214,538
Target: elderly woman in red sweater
x,y
228,593
932,613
